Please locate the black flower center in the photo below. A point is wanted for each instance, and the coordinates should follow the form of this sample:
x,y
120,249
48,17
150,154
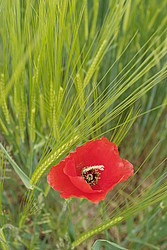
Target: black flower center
x,y
91,174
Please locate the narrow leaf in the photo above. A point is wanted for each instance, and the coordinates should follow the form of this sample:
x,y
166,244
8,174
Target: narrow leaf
x,y
20,173
105,243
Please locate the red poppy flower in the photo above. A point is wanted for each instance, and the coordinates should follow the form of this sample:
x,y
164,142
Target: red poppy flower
x,y
90,171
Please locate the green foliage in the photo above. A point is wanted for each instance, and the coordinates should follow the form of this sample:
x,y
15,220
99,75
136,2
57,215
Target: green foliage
x,y
104,243
19,172
71,71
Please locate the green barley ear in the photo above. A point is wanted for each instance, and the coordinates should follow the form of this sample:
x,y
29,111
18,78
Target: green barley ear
x,y
80,91
2,97
94,63
55,123
95,16
126,16
3,127
42,109
52,157
96,231
22,110
86,19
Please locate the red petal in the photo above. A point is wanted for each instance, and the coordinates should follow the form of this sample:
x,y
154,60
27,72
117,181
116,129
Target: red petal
x,y
94,153
92,197
78,181
117,170
66,176
58,180
61,182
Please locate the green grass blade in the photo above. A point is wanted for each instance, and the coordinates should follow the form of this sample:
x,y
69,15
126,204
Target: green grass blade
x,y
18,170
105,243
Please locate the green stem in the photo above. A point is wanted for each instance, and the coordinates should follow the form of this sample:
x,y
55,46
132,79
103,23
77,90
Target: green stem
x,y
71,230
104,218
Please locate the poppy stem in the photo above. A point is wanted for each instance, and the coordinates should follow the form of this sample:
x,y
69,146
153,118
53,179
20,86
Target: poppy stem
x,y
71,230
104,218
